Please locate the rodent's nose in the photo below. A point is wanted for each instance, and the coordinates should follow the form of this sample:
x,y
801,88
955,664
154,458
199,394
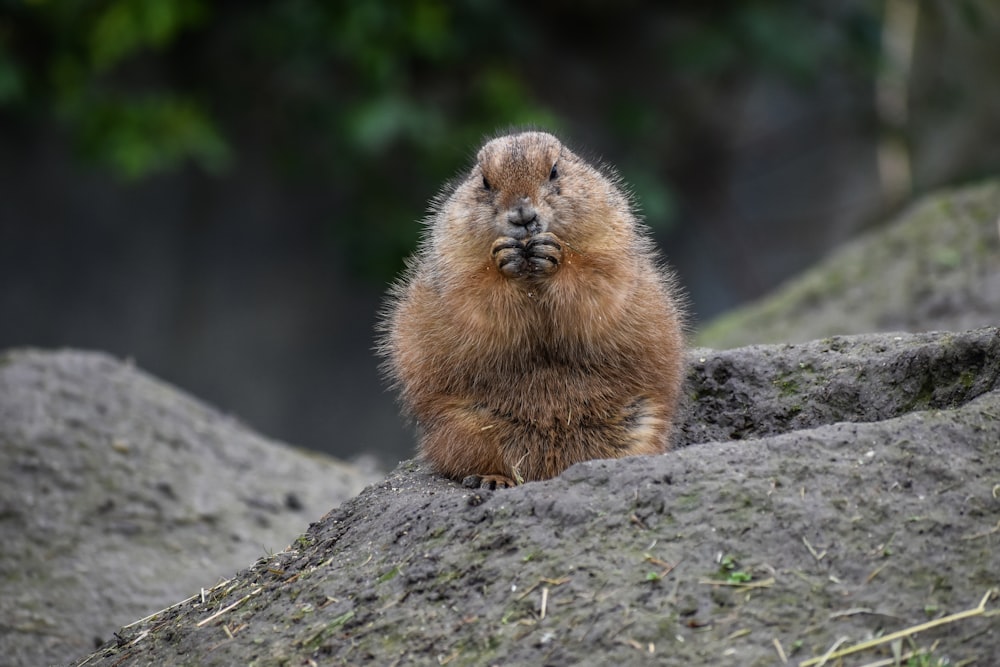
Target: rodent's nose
x,y
523,214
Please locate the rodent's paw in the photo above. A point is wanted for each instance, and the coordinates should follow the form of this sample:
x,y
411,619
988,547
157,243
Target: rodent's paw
x,y
508,256
544,253
488,482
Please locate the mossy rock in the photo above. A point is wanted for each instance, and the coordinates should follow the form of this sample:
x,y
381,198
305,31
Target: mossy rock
x,y
934,268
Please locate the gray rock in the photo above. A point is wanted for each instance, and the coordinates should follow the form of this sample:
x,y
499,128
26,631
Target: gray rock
x,y
120,495
936,267
764,390
860,499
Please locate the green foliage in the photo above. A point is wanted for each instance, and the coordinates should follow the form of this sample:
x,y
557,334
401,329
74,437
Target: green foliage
x,y
358,96
728,571
140,135
124,27
134,131
11,81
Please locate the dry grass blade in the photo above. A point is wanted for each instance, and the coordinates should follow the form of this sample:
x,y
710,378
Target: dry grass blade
x,y
905,632
766,583
817,556
178,604
826,656
781,651
229,608
892,662
976,536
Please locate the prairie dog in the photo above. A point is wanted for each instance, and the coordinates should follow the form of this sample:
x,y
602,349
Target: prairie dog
x,y
534,328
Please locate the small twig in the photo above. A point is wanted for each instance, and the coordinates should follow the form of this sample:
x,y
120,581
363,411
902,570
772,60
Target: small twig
x,y
781,651
529,591
656,561
515,470
667,570
854,611
88,659
826,656
177,604
544,580
976,536
229,608
667,567
817,556
875,572
545,600
766,583
142,635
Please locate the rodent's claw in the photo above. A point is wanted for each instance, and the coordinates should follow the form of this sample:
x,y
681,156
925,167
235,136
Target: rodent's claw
x,y
544,252
505,242
540,255
508,255
491,482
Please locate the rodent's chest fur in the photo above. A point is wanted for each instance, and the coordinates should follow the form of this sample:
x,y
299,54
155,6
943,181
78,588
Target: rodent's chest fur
x,y
579,311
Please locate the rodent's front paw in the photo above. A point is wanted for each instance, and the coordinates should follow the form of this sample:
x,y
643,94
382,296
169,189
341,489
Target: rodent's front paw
x,y
508,256
544,253
540,255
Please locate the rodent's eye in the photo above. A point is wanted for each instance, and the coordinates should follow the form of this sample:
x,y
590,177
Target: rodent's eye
x,y
554,174
486,184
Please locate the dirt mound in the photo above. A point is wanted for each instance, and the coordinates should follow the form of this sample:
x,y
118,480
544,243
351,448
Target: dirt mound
x,y
119,495
860,499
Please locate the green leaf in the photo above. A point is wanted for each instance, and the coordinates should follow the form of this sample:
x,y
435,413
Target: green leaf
x,y
126,26
140,136
11,80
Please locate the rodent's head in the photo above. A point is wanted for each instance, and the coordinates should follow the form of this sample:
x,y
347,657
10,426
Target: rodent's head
x,y
520,177
524,184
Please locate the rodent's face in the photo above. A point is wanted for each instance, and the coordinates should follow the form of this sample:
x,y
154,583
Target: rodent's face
x,y
523,185
516,183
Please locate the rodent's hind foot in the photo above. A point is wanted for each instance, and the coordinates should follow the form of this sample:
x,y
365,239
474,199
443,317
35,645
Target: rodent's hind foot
x,y
490,482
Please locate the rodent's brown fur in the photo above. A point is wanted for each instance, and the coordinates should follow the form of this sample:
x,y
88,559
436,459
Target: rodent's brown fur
x,y
524,347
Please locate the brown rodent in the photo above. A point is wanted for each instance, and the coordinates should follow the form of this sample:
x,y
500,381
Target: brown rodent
x,y
533,328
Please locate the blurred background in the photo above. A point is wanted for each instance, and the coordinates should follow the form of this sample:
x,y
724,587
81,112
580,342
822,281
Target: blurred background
x,y
221,191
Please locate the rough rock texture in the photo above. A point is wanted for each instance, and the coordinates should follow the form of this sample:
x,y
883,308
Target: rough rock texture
x,y
861,498
120,495
936,267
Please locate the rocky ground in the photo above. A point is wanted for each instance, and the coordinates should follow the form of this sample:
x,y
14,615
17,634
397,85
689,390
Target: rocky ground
x,y
120,495
822,495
